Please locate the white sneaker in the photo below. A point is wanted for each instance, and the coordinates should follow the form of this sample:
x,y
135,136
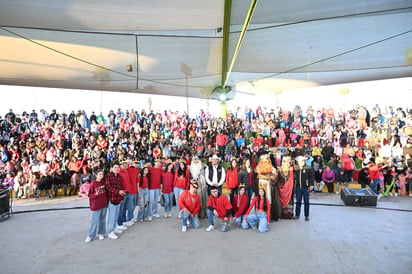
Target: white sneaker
x,y
184,228
88,240
165,215
390,194
156,215
121,227
134,220
210,228
149,219
112,235
129,223
379,196
101,237
396,194
337,192
118,231
170,213
410,194
179,215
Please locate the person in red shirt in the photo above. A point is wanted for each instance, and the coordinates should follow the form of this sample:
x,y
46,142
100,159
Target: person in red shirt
x,y
167,189
143,180
221,141
232,179
125,206
261,215
181,181
154,188
133,171
98,206
240,205
220,207
189,202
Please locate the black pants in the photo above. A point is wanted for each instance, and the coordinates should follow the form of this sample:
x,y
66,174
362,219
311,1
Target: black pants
x,y
330,187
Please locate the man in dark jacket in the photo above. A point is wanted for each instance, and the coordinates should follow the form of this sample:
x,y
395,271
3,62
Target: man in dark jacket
x,y
304,180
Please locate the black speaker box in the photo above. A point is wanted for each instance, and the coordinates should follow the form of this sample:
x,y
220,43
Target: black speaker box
x,y
4,203
358,197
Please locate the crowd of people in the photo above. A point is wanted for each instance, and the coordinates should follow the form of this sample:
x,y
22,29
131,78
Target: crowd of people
x,y
263,156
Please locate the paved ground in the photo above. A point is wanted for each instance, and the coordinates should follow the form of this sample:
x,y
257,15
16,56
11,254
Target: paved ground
x,y
337,239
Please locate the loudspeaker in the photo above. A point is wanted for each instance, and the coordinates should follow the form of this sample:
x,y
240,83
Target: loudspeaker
x,y
358,197
4,203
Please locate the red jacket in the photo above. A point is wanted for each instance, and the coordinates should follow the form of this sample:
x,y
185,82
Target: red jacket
x,y
240,205
97,195
221,204
254,203
189,201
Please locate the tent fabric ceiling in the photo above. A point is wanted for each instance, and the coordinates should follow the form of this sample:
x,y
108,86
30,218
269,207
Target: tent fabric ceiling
x,y
73,42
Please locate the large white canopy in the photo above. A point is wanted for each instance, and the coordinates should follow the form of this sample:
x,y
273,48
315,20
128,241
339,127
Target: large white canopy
x,y
85,44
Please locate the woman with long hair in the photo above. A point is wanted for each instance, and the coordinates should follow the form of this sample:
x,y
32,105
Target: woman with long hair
x,y
261,217
167,189
232,179
247,177
285,187
143,180
181,182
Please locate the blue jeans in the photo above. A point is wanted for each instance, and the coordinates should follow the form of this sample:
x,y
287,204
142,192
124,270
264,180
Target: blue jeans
x,y
258,218
122,216
302,192
177,191
130,207
168,201
193,221
98,222
374,184
153,201
113,216
143,204
320,188
210,218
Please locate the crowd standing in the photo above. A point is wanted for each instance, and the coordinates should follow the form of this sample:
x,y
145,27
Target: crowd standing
x,y
127,160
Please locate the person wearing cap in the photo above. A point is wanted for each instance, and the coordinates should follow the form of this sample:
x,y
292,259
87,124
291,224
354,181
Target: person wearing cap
x,y
218,206
304,178
215,175
189,204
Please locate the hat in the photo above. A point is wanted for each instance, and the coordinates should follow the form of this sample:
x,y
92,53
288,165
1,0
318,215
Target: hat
x,y
213,187
183,161
215,157
158,160
300,158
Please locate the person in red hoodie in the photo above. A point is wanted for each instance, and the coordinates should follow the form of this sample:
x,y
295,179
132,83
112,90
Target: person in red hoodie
x,y
261,215
240,205
98,206
167,189
189,202
220,207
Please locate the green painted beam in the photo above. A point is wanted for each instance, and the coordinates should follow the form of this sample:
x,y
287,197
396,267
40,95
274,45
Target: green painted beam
x,y
226,33
253,4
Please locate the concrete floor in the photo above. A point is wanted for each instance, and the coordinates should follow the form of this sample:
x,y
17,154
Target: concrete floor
x,y
337,239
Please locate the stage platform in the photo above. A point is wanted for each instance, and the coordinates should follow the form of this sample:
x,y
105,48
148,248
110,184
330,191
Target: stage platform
x,y
47,236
